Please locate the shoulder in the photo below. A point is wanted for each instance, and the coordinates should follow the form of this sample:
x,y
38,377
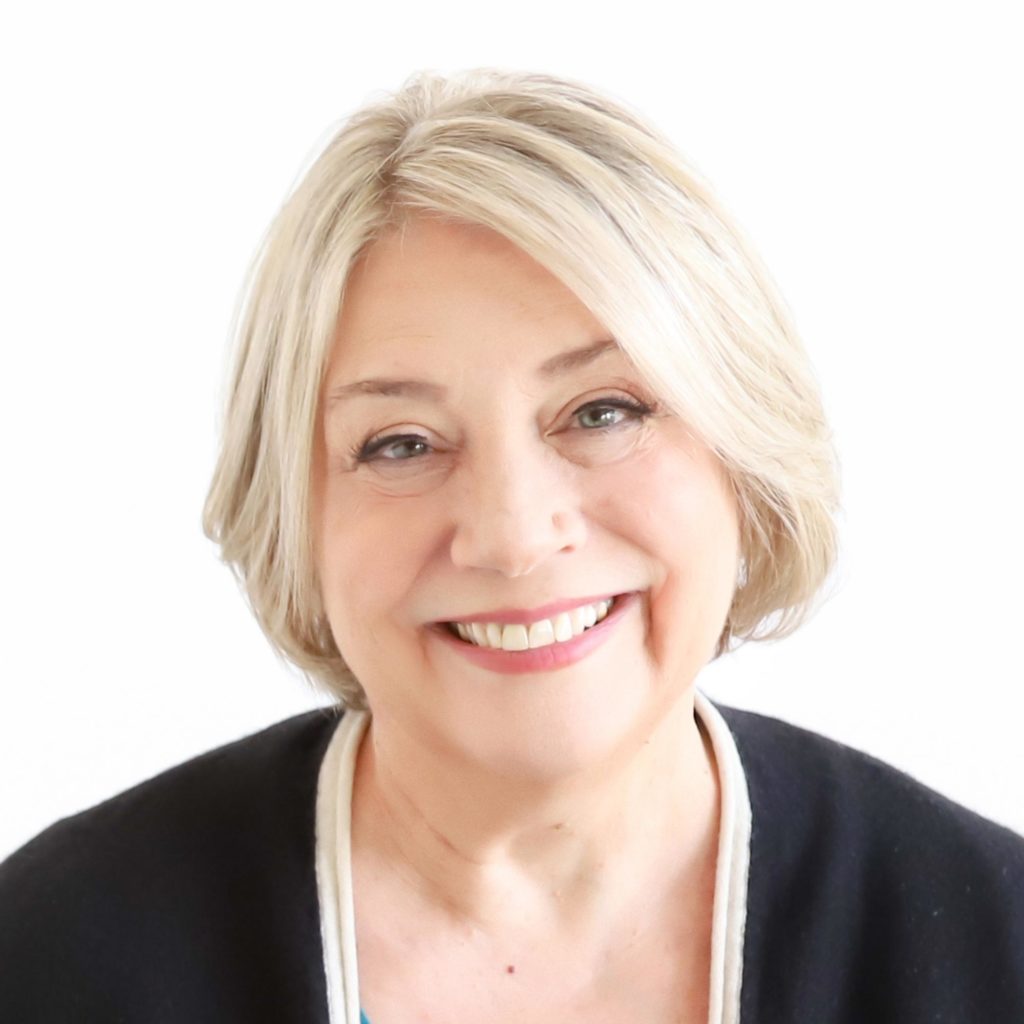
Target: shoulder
x,y
874,881
216,792
135,900
817,783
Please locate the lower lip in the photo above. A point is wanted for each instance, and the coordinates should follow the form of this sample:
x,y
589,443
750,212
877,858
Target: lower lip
x,y
542,659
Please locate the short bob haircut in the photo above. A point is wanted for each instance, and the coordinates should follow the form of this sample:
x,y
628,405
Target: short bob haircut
x,y
600,199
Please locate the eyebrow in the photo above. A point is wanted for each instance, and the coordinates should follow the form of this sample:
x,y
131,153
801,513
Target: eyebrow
x,y
555,366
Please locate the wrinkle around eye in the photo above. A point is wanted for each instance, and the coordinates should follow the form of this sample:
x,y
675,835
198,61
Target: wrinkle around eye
x,y
599,446
403,477
355,449
431,459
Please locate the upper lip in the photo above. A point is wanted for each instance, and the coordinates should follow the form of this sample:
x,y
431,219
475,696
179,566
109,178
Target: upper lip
x,y
524,615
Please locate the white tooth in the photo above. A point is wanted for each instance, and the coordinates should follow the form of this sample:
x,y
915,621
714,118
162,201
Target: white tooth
x,y
520,637
541,634
578,618
563,627
515,638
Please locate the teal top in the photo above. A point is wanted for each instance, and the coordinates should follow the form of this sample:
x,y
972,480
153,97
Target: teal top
x,y
363,1019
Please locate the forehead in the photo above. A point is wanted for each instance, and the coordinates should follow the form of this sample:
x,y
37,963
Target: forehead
x,y
454,284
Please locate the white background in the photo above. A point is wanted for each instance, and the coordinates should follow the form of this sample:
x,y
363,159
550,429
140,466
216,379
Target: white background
x,y
873,154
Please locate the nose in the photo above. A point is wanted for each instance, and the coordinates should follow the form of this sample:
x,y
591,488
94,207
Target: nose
x,y
518,504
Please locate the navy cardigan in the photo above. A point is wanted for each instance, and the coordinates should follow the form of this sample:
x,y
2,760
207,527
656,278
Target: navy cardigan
x,y
192,897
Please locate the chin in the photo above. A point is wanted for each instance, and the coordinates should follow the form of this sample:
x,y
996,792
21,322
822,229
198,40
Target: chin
x,y
557,728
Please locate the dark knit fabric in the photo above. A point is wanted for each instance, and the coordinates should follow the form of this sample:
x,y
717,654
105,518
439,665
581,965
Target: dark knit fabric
x,y
871,898
192,897
188,899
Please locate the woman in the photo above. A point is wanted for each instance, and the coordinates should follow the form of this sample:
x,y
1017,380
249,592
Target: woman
x,y
520,437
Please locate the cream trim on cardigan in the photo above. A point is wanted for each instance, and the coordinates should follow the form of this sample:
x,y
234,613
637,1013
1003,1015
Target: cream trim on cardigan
x,y
334,869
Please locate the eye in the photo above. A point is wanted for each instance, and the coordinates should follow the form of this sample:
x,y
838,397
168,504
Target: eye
x,y
608,413
391,448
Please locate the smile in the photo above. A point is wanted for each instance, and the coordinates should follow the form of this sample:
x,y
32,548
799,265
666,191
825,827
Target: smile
x,y
520,636
532,644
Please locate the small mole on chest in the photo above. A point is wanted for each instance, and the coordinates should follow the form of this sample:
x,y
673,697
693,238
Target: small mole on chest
x,y
511,969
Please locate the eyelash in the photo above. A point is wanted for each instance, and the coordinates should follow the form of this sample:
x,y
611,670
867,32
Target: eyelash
x,y
369,450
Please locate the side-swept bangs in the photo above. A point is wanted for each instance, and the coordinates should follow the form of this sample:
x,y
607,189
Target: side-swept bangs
x,y
600,199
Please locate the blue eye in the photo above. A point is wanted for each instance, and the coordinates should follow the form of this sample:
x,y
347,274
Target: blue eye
x,y
393,447
599,416
606,413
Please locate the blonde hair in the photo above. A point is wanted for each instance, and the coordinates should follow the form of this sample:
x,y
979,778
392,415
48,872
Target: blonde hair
x,y
600,199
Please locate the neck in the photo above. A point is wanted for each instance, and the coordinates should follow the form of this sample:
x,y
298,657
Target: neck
x,y
578,854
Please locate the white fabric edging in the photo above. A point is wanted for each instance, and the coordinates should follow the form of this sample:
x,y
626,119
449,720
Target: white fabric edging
x,y
730,910
334,869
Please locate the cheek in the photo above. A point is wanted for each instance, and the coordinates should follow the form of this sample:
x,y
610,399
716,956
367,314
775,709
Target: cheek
x,y
369,552
678,509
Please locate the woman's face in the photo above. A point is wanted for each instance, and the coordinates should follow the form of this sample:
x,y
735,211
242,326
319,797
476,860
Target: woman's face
x,y
486,455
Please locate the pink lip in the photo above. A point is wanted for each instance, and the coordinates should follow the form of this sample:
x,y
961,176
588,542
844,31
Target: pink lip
x,y
543,659
525,615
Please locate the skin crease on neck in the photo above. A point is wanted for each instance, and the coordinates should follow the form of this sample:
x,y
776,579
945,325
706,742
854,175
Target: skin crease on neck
x,y
564,822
